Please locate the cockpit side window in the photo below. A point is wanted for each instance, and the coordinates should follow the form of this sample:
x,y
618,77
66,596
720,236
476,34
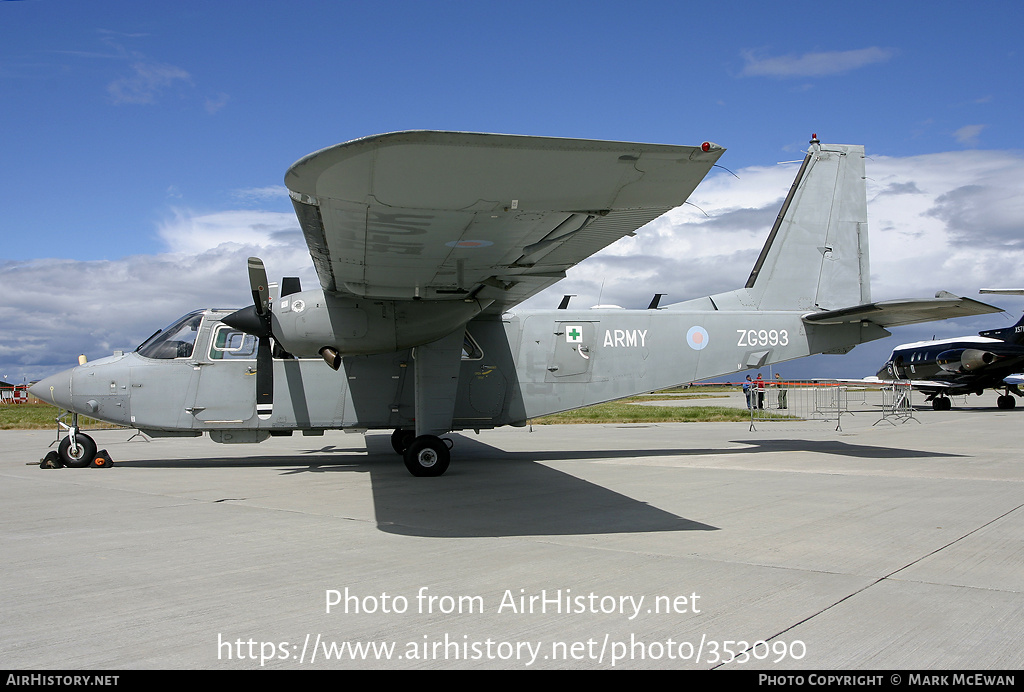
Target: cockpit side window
x,y
176,341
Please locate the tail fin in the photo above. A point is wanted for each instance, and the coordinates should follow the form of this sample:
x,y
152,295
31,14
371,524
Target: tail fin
x,y
816,256
1013,335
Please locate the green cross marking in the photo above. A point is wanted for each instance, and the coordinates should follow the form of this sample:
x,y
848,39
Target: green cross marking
x,y
575,334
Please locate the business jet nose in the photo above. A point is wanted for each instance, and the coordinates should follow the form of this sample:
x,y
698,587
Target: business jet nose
x,y
55,389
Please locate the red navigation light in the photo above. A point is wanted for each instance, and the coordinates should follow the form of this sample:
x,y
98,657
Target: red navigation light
x,y
705,147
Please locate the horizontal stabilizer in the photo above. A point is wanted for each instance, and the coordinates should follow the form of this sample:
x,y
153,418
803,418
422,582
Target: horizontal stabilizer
x,y
895,313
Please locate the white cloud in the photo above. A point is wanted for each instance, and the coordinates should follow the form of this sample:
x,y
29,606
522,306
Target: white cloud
x,y
813,64
261,194
192,233
215,103
968,134
146,83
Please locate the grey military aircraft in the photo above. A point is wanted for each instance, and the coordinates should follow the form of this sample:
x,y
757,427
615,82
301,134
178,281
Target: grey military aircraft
x,y
424,242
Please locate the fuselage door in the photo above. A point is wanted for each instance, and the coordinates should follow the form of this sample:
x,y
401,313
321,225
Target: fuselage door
x,y
571,356
226,387
898,368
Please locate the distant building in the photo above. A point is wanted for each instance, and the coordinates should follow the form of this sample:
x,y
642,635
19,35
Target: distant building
x,y
13,393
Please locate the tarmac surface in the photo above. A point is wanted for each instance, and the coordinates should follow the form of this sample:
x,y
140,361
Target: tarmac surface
x,y
687,546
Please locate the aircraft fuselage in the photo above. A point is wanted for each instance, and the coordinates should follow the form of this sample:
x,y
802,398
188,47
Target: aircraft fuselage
x,y
513,368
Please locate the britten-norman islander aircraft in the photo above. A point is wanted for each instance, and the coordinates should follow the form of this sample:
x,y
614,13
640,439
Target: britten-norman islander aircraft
x,y
424,242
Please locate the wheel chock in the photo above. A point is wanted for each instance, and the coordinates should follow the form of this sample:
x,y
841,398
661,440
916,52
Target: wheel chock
x,y
102,460
50,461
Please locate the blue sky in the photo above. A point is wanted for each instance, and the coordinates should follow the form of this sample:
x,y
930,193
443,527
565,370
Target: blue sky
x,y
144,144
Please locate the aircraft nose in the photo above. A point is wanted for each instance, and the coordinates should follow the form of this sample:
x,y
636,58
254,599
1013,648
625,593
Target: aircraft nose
x,y
55,389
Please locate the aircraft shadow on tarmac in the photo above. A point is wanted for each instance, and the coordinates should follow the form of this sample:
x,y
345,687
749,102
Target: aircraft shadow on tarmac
x,y
490,492
826,447
487,493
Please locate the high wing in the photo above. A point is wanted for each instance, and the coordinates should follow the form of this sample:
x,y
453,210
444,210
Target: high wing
x,y
450,215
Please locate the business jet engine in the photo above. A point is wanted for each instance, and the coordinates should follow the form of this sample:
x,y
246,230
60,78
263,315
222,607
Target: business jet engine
x,y
964,359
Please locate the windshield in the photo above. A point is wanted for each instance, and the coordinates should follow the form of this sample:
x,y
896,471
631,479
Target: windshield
x,y
176,341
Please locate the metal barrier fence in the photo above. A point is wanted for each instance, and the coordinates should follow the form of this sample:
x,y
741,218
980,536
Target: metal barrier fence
x,y
897,405
778,401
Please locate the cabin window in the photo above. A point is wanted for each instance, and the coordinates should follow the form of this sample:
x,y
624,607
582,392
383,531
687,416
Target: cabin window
x,y
231,344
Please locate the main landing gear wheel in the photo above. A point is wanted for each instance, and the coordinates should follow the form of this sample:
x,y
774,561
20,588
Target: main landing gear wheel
x,y
427,455
80,455
941,403
401,439
1006,401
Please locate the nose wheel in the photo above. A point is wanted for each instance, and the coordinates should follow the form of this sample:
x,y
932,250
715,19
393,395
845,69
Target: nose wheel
x,y
77,451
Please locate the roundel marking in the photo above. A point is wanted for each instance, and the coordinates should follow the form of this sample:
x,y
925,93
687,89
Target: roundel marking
x,y
697,338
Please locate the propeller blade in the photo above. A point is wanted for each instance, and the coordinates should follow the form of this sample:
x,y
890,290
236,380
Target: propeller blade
x,y
258,284
256,320
264,379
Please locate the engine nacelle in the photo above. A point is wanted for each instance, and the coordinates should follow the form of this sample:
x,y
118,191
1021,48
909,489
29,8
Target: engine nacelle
x,y
964,359
308,322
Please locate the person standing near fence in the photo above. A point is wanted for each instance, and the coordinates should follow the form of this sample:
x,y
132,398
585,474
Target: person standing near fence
x,y
747,393
760,391
783,393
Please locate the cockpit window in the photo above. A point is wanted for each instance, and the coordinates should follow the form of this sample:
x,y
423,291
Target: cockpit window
x,y
176,341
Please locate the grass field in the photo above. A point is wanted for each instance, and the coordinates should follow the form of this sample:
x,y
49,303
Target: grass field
x,y
36,415
632,410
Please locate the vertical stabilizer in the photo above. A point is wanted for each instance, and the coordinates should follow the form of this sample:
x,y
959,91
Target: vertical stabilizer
x,y
1013,335
816,256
